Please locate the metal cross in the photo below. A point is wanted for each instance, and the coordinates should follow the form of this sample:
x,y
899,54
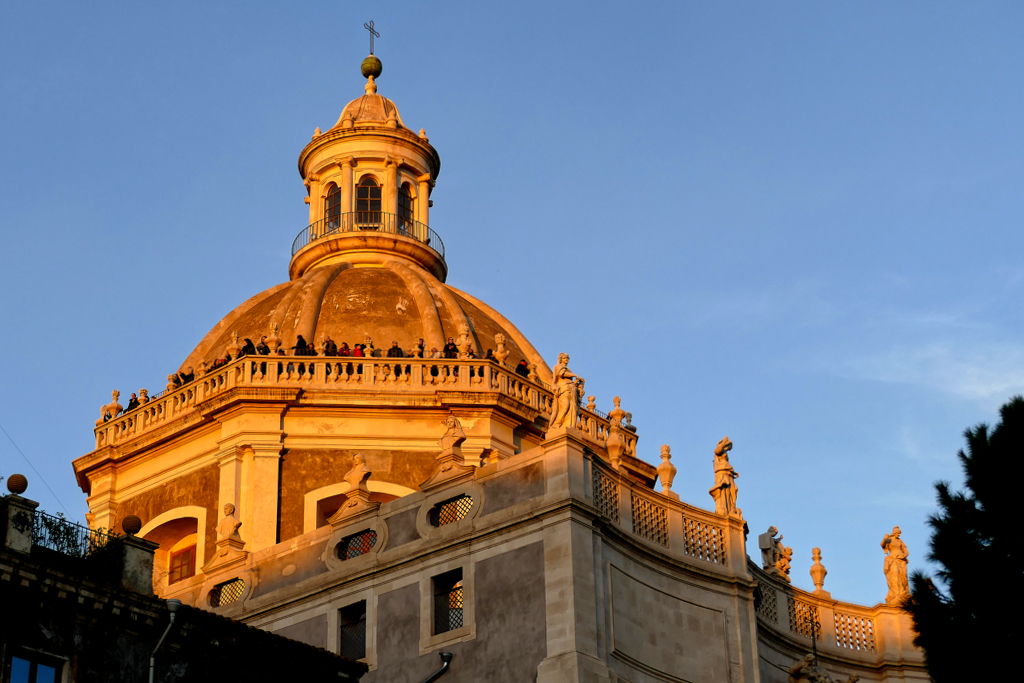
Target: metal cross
x,y
373,34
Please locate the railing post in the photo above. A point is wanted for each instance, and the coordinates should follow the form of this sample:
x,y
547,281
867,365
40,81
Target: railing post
x,y
18,518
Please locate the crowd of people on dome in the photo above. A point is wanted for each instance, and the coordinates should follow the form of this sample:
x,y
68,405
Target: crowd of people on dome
x,y
328,347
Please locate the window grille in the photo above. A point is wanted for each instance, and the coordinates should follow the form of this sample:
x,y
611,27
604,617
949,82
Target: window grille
x,y
767,603
606,495
357,544
703,541
227,592
451,510
650,521
448,602
353,630
801,615
182,565
855,633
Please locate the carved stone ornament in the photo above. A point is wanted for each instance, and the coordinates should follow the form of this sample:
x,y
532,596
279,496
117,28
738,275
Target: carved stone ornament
x,y
234,346
667,472
357,498
724,490
818,572
591,403
273,340
807,670
464,341
110,410
451,464
500,352
144,396
616,443
895,567
782,566
533,376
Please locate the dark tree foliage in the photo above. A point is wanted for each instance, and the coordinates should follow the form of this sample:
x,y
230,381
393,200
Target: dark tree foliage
x,y
971,631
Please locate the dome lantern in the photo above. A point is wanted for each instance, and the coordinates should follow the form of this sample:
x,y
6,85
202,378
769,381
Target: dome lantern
x,y
369,180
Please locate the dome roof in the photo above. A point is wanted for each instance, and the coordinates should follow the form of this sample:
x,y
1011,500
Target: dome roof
x,y
391,300
371,108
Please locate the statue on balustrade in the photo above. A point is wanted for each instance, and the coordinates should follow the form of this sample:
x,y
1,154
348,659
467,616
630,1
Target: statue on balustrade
x,y
568,392
724,490
807,670
110,410
769,546
895,567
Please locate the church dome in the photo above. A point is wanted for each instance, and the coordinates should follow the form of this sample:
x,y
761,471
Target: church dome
x,y
389,300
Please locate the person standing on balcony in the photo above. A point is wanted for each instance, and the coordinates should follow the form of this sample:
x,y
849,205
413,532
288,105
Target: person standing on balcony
x,y
450,349
249,349
344,350
330,348
395,351
133,403
418,349
262,347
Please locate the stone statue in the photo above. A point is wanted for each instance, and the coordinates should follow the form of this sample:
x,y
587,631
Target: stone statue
x,y
110,410
359,474
769,546
143,396
666,471
724,490
629,423
591,405
464,342
783,563
369,350
806,670
818,571
229,524
566,404
172,382
500,352
895,567
453,435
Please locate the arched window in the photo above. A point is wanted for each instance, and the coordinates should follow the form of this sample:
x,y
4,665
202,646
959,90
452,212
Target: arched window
x,y
368,202
332,208
405,212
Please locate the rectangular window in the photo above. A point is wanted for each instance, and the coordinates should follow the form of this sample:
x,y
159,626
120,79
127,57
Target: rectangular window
x,y
353,630
448,601
30,669
182,565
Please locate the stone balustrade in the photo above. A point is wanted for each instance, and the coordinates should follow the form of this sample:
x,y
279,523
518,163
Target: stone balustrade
x,y
348,374
690,534
843,630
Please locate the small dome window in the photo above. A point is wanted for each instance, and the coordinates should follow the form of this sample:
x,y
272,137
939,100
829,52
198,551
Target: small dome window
x,y
332,207
405,211
368,202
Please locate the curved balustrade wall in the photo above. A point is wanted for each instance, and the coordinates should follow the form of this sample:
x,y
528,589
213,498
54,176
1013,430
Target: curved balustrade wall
x,y
368,221
349,374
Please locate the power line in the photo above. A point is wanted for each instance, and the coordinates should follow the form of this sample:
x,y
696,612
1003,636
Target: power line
x,y
41,478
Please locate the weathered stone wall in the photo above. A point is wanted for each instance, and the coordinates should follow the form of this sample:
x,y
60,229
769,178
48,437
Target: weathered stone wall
x,y
303,470
200,488
510,626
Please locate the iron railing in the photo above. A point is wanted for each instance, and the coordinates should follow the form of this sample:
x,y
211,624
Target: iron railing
x,y
66,537
370,221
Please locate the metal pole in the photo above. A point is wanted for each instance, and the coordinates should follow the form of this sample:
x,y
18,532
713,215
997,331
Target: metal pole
x,y
172,606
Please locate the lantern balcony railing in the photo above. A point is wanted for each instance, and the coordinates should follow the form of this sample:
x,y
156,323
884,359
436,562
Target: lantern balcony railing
x,y
369,222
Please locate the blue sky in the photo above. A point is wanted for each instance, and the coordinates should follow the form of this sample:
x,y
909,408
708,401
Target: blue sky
x,y
795,223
